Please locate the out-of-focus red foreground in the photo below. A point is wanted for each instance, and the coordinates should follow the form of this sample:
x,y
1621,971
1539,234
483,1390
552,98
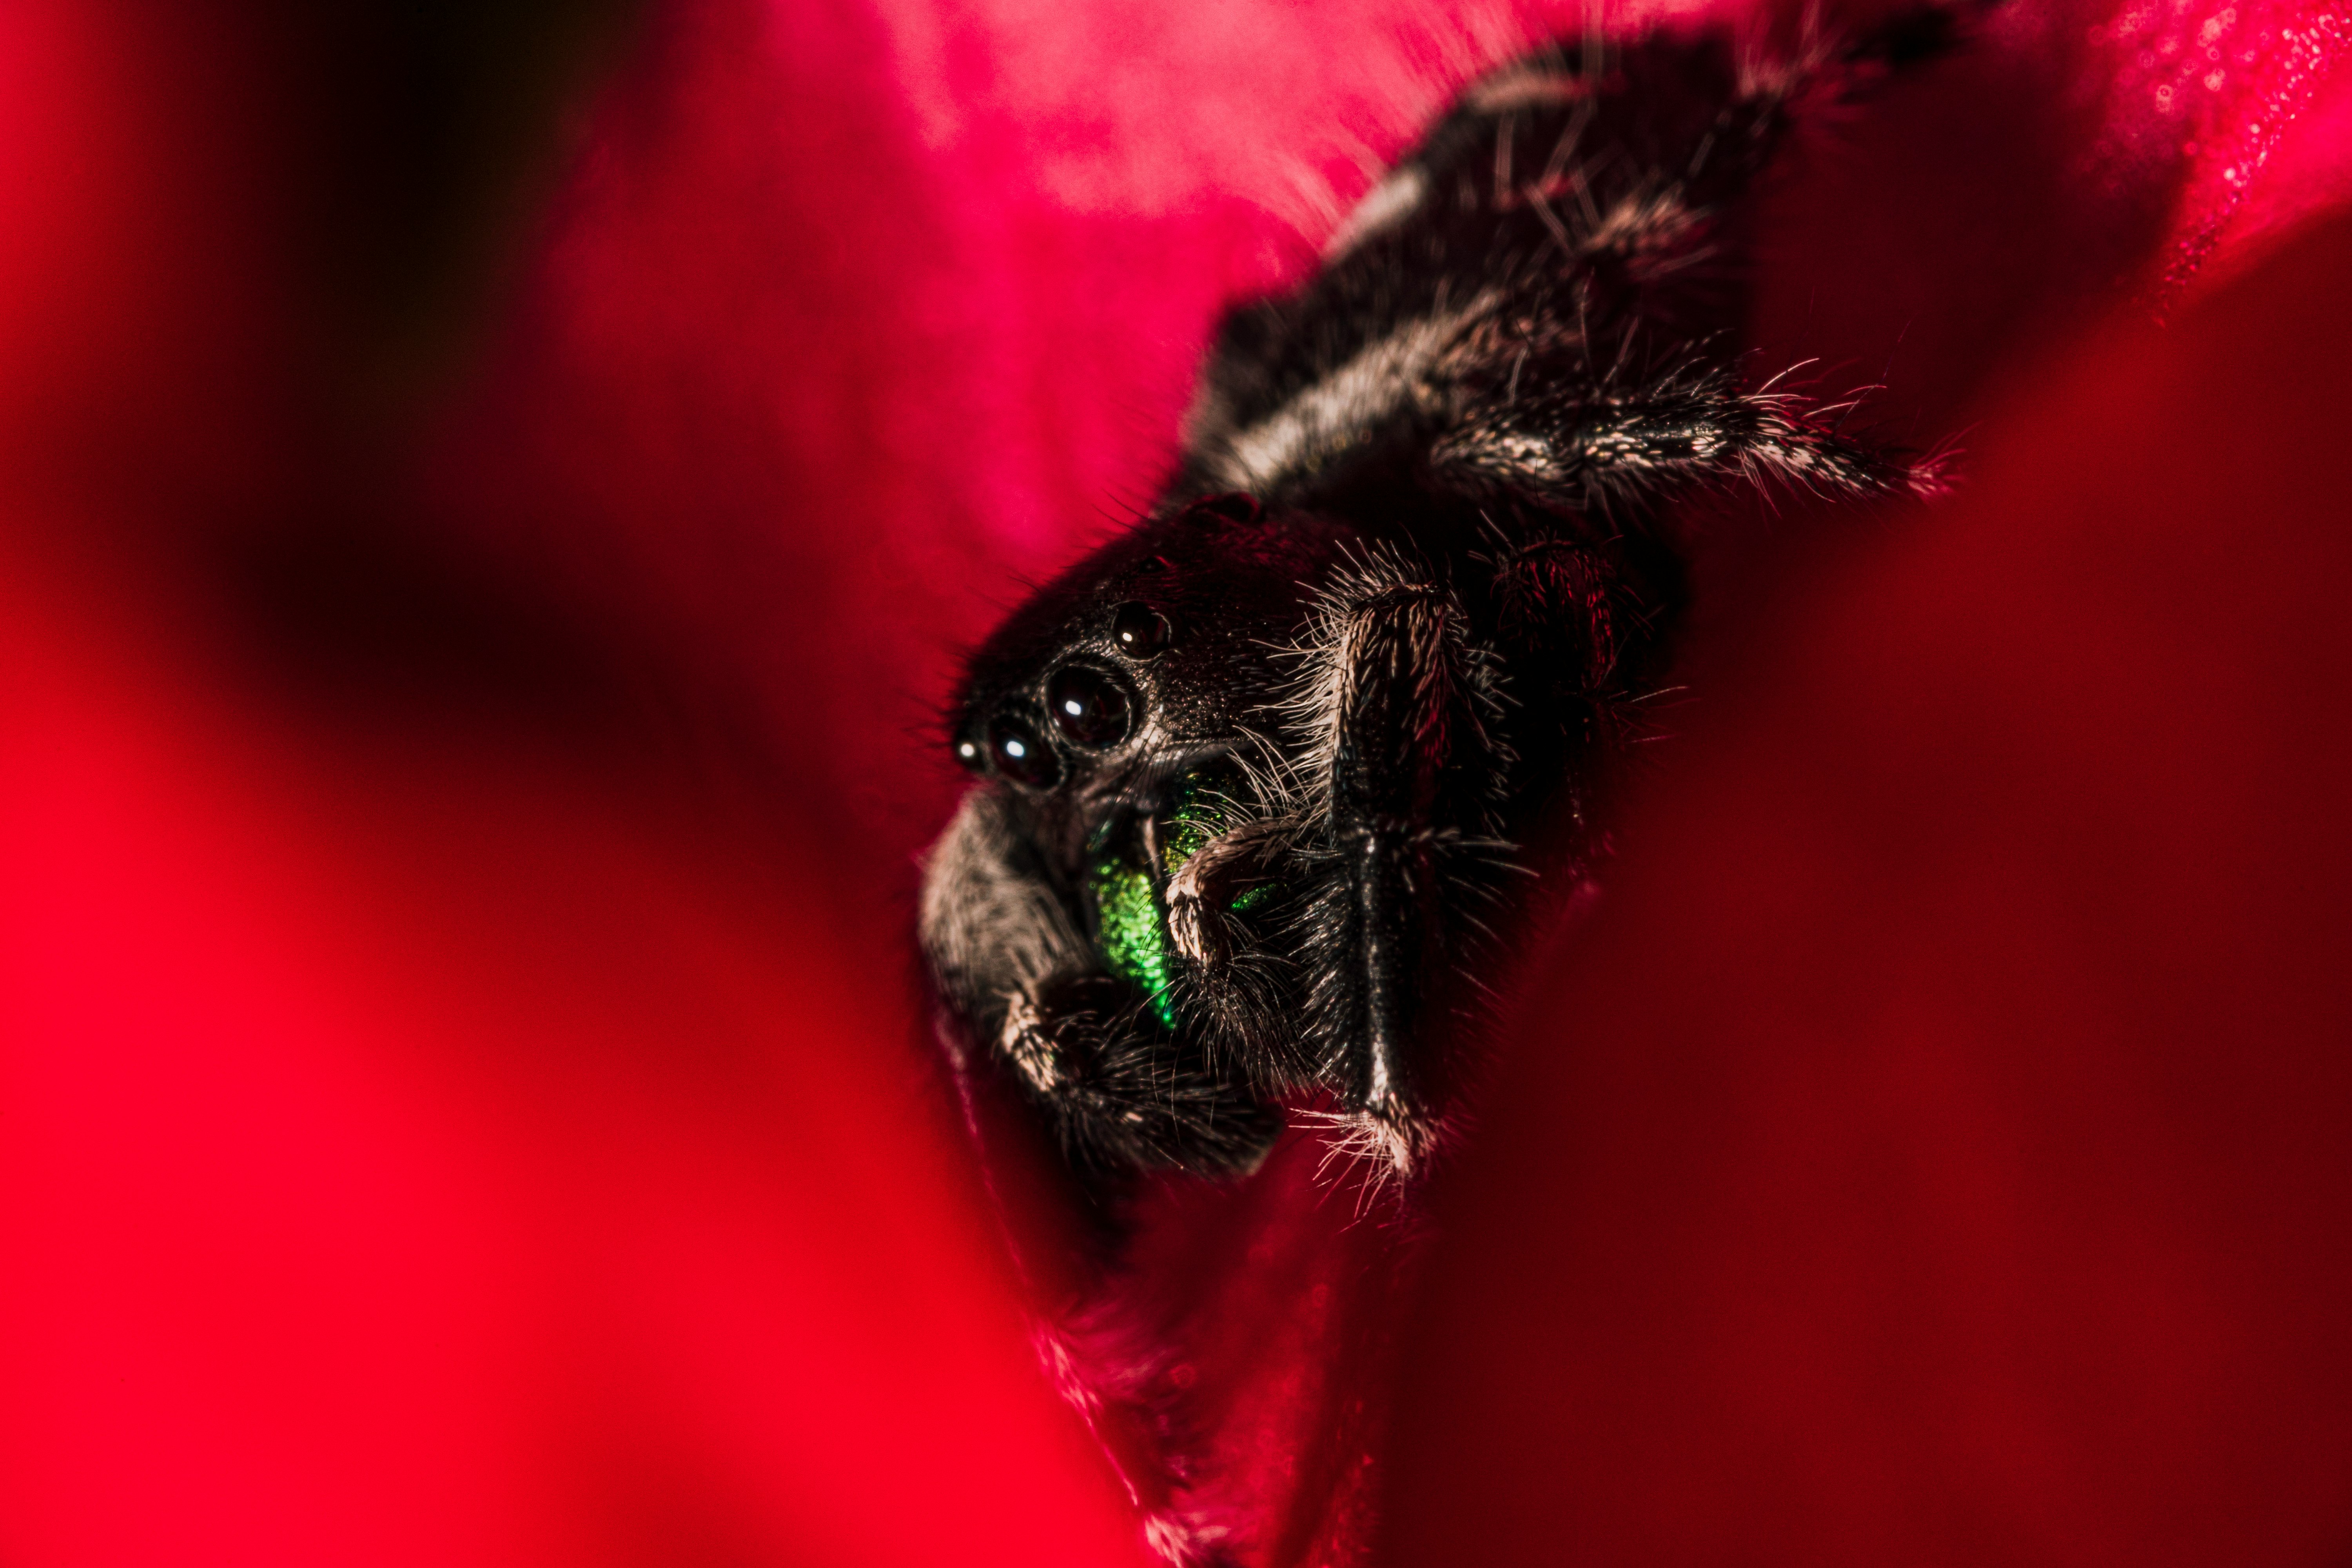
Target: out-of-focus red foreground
x,y
1951,1164
430,1137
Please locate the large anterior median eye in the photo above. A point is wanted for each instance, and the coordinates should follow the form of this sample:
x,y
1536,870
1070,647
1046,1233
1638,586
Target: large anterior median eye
x,y
1022,755
1089,705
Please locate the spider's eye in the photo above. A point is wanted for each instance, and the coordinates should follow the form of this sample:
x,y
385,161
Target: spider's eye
x,y
967,752
1022,755
1141,631
1089,705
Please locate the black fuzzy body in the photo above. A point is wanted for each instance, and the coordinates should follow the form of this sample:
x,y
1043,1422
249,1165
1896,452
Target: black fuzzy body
x,y
1412,581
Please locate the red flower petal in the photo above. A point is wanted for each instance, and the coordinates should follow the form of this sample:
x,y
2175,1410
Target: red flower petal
x,y
438,1127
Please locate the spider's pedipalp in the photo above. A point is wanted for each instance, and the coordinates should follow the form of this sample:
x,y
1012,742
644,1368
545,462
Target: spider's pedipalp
x,y
1212,877
1123,1094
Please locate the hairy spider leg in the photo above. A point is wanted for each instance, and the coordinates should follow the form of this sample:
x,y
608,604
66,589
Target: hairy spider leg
x,y
1583,451
1406,733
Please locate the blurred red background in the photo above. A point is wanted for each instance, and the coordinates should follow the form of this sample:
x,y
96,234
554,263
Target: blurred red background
x,y
490,495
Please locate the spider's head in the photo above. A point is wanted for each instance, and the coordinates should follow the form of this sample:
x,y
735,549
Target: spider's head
x,y
1149,661
1124,719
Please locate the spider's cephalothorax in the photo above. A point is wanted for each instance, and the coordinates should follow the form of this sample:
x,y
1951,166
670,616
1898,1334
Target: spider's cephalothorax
x,y
1252,774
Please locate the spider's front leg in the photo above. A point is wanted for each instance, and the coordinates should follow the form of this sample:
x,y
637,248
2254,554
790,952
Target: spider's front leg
x,y
1404,703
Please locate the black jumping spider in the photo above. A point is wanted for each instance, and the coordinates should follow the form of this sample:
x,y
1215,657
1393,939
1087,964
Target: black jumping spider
x,y
1251,776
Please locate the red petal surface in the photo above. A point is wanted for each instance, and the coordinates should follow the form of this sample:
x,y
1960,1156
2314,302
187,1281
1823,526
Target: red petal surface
x,y
1938,1153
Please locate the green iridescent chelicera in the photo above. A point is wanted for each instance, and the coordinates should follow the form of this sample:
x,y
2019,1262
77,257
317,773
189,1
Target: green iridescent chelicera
x,y
1133,925
1133,939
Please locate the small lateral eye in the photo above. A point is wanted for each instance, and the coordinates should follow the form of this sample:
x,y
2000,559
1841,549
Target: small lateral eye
x,y
1141,631
1089,705
1237,507
1022,755
967,750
